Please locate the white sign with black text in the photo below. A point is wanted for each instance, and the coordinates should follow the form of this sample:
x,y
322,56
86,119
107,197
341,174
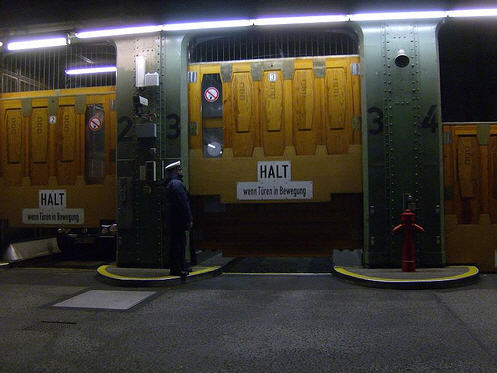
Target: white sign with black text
x,y
274,182
52,209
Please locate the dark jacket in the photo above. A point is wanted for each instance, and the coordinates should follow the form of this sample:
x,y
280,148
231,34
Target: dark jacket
x,y
177,211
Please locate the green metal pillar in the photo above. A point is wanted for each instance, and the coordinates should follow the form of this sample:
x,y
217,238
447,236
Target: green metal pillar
x,y
139,154
174,53
174,64
402,139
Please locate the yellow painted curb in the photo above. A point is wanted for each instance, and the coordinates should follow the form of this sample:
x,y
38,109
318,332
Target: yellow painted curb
x,y
472,270
102,270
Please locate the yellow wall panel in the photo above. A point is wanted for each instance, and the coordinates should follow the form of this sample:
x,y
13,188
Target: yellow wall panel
x,y
228,115
242,101
356,103
303,99
339,105
273,134
68,155
67,117
449,165
11,136
335,97
272,100
470,181
286,117
468,165
13,121
194,108
492,178
243,114
39,135
468,172
304,111
51,156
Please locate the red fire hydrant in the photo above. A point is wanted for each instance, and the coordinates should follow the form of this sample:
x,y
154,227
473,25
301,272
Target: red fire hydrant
x,y
408,250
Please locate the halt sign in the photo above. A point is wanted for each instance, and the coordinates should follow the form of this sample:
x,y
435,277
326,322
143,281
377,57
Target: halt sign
x,y
52,210
51,198
274,182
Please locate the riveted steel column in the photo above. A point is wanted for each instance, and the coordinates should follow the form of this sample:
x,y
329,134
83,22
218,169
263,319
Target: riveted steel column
x,y
140,242
176,99
174,54
402,139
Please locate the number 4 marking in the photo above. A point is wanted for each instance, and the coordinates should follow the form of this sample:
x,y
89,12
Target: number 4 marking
x,y
430,121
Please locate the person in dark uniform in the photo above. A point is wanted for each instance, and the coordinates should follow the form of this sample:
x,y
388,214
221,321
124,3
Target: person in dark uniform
x,y
178,217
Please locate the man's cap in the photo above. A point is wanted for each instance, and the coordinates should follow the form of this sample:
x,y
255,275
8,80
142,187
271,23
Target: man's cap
x,y
173,165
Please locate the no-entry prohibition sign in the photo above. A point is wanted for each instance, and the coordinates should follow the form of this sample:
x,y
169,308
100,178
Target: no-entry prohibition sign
x,y
95,123
211,94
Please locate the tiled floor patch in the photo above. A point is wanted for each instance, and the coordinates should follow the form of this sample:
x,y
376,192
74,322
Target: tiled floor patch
x,y
106,299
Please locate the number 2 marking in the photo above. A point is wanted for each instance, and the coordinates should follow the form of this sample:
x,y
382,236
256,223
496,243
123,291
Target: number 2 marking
x,y
378,121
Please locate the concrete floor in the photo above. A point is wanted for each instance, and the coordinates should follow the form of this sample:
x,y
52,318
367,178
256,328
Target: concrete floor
x,y
246,323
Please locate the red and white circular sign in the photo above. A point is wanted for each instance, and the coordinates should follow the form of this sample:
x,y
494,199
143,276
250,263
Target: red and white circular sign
x,y
95,123
211,94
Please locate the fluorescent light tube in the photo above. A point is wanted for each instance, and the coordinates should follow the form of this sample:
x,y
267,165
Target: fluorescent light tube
x,y
117,32
91,70
299,20
38,43
396,15
472,13
206,25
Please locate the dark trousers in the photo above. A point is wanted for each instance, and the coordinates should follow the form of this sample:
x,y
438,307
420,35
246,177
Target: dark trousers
x,y
177,251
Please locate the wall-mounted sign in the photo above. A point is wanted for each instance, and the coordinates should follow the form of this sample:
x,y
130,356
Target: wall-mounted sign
x,y
52,210
95,123
274,182
211,94
272,77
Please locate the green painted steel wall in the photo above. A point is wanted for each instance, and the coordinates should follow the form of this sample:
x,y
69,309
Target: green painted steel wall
x,y
401,139
141,236
174,64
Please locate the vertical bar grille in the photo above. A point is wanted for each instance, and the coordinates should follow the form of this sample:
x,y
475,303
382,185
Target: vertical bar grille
x,y
275,44
44,69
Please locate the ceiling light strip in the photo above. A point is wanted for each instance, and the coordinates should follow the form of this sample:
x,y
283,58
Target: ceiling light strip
x,y
472,13
397,15
37,43
269,21
118,31
299,20
91,70
207,25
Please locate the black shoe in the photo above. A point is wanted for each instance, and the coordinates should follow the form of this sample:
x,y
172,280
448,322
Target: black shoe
x,y
175,274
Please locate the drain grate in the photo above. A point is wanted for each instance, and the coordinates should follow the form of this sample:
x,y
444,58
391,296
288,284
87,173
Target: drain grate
x,y
49,325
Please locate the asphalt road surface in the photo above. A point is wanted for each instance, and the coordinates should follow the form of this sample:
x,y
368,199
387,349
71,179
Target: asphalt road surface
x,y
243,323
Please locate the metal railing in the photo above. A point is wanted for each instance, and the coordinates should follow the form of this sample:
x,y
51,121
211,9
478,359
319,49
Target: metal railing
x,y
258,44
45,69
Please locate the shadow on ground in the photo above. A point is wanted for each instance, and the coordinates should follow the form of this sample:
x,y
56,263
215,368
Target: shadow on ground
x,y
279,265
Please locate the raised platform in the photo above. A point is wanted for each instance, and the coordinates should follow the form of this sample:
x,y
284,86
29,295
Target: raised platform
x,y
422,278
139,277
